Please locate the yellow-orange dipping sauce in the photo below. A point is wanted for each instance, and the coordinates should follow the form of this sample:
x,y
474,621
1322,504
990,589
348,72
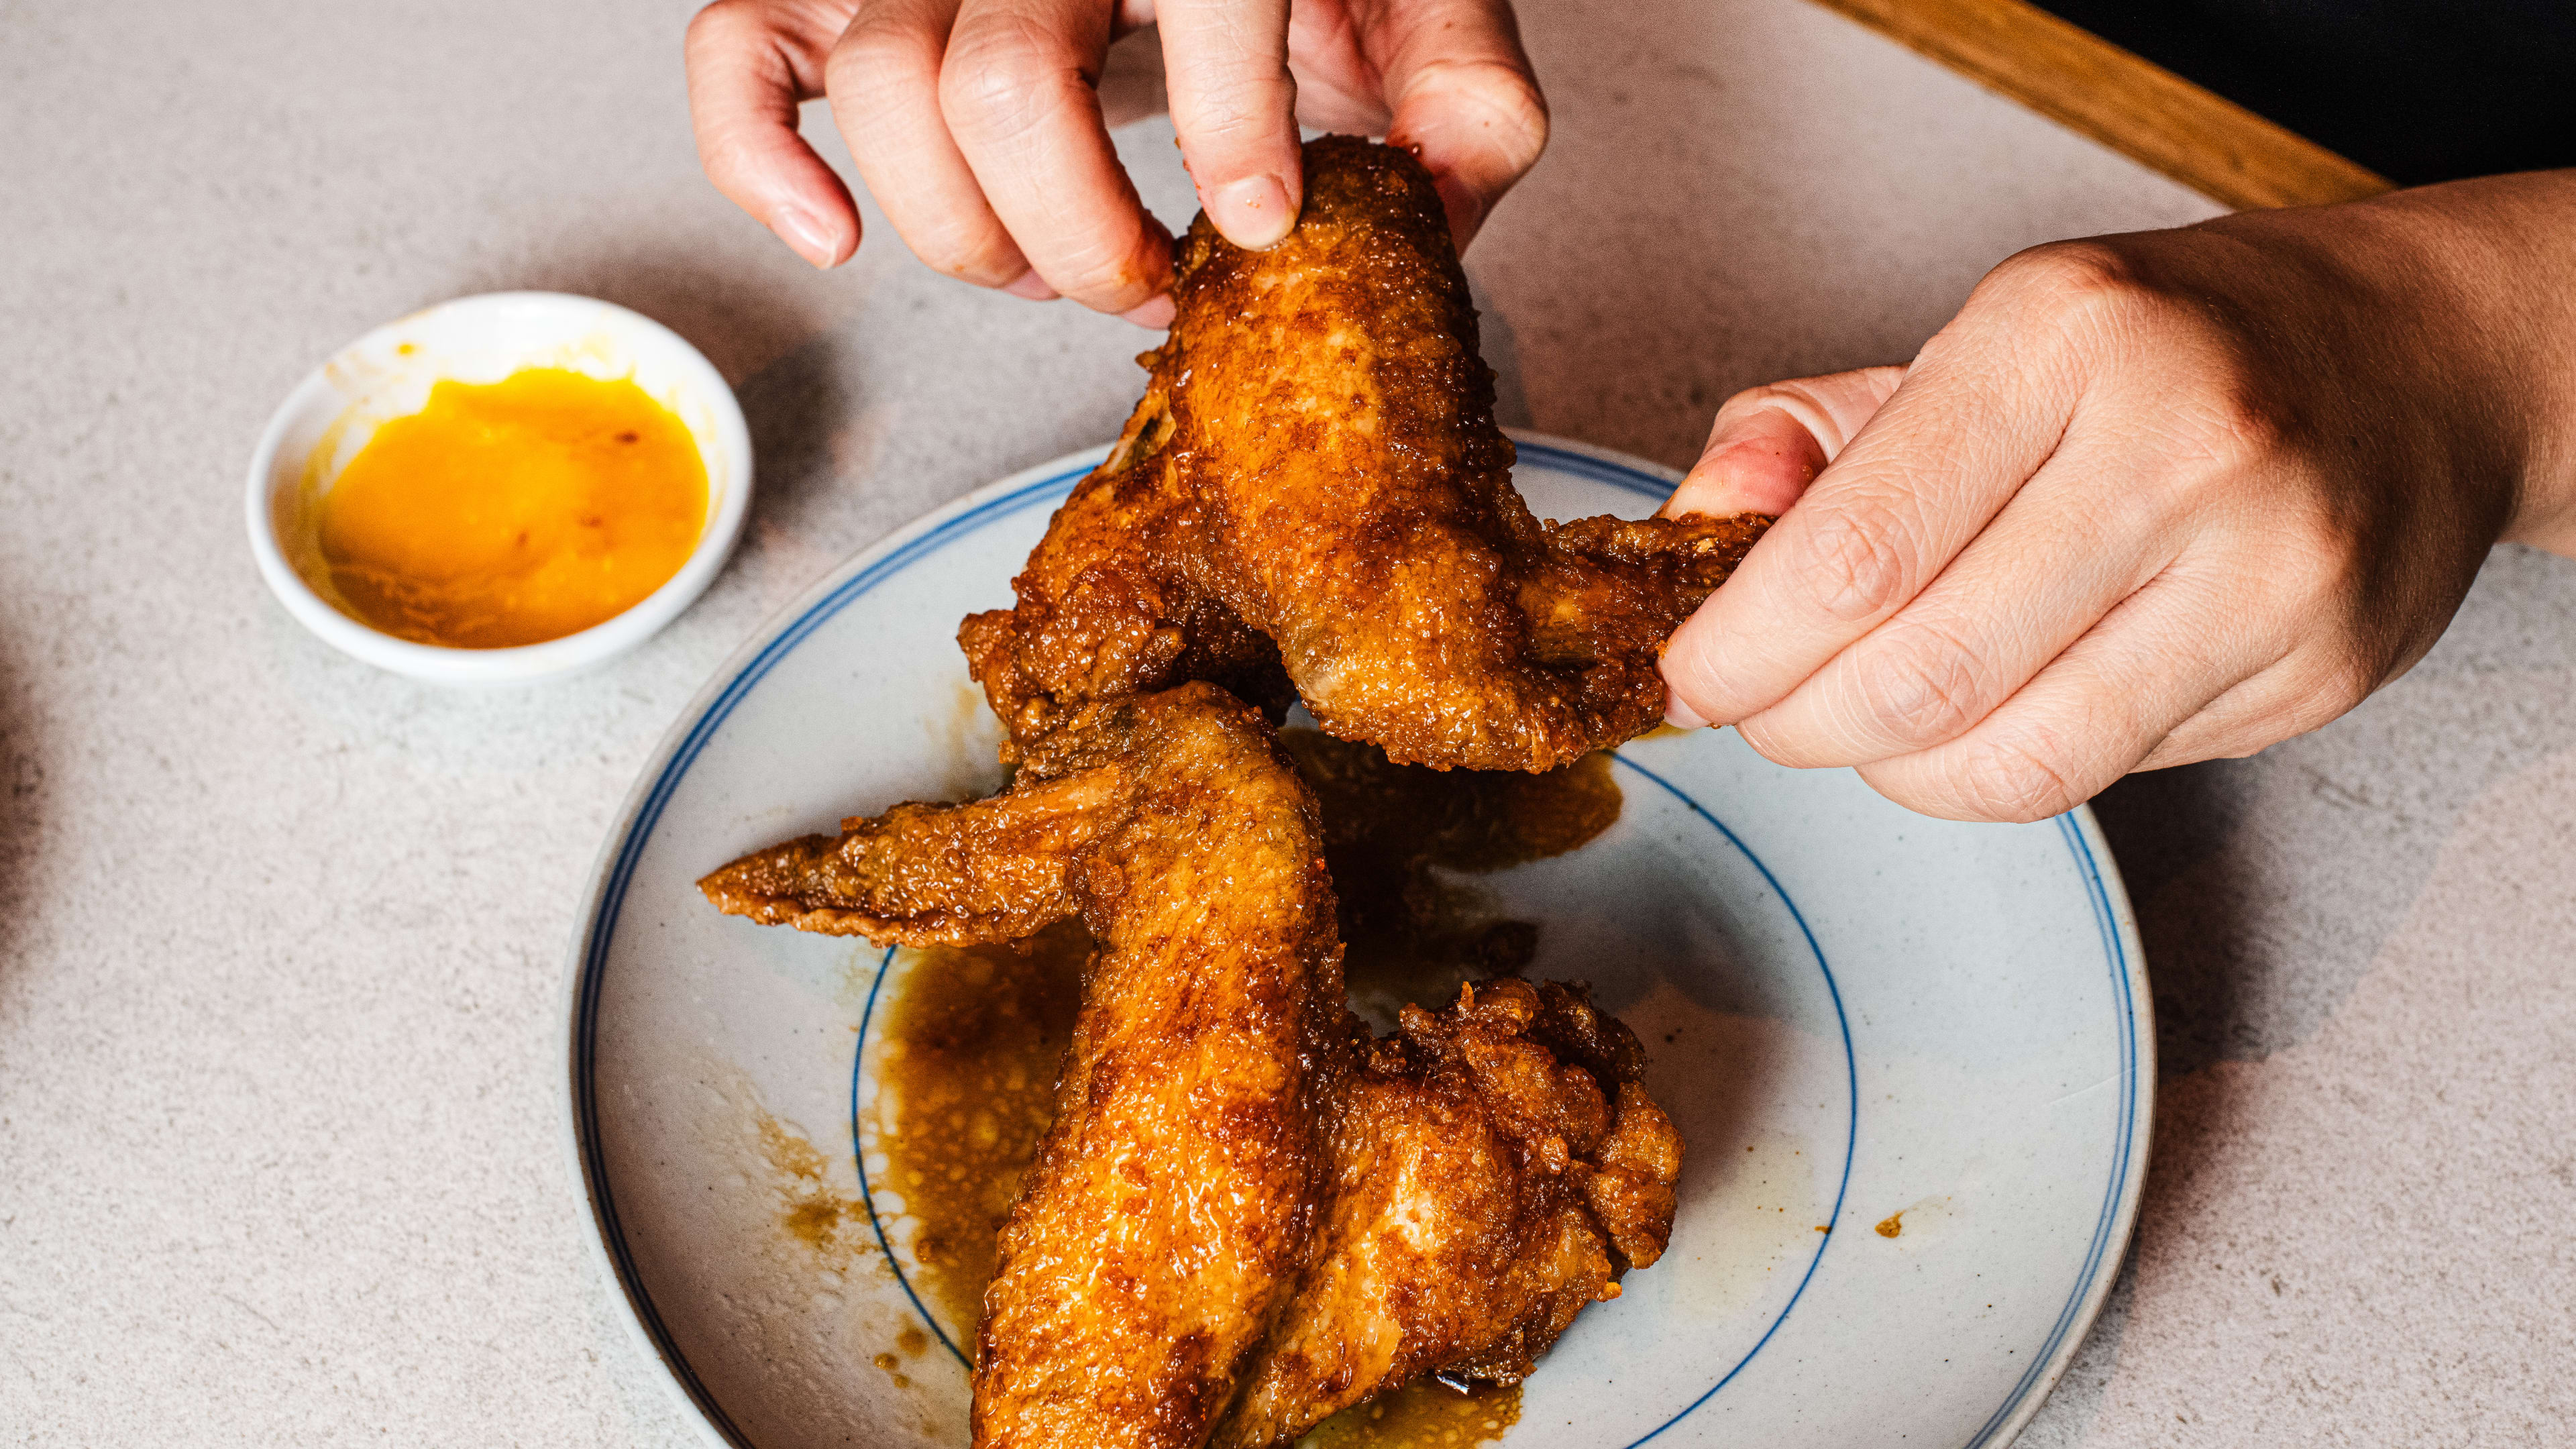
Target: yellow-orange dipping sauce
x,y
514,512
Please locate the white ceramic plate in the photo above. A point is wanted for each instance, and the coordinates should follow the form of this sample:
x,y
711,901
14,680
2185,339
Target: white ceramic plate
x,y
1856,1015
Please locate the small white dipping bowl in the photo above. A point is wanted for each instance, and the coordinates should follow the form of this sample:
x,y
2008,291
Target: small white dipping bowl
x,y
388,373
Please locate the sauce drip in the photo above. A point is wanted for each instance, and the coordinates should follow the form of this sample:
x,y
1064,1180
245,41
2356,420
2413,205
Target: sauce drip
x,y
514,512
975,1035
1424,1414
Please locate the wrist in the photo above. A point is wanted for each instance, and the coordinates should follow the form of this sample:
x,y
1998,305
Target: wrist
x,y
2504,251
2457,307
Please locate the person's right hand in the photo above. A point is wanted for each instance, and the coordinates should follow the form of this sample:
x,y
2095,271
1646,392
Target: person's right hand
x,y
2148,499
975,125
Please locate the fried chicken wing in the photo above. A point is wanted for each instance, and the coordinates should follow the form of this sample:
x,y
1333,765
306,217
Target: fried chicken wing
x,y
1171,1206
1314,492
1494,1167
1247,1214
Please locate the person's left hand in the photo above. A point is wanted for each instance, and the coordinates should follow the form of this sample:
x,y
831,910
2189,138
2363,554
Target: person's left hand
x,y
977,129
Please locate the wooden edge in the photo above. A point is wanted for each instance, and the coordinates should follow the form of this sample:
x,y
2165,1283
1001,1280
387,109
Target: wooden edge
x,y
2127,103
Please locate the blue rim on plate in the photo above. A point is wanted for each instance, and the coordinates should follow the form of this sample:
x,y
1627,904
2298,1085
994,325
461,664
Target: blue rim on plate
x,y
1046,485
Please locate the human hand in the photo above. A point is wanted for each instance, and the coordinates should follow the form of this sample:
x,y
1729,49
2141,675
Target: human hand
x,y
975,125
2148,499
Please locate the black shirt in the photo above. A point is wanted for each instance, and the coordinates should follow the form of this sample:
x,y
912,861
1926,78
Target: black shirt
x,y
2417,90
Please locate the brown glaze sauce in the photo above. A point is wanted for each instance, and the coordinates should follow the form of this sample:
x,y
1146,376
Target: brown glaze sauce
x,y
965,1088
1424,1414
810,1210
974,1036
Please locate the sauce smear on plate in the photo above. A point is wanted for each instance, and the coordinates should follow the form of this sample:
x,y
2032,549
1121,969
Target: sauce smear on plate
x,y
1425,1414
514,512
974,1036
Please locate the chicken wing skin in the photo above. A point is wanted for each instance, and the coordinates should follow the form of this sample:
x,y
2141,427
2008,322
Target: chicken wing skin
x,y
1314,492
1171,1207
1495,1167
1247,1214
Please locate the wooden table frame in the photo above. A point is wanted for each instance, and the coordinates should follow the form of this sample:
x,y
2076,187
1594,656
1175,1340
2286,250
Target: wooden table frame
x,y
2129,104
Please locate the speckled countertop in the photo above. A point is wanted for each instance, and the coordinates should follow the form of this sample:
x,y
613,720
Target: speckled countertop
x,y
281,938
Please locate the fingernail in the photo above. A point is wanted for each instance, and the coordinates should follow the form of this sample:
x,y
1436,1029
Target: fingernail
x,y
1679,715
1156,312
1033,287
805,236
1253,213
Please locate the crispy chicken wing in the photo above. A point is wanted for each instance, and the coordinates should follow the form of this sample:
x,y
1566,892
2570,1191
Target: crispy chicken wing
x,y
1171,1206
1314,491
1247,1215
1494,1167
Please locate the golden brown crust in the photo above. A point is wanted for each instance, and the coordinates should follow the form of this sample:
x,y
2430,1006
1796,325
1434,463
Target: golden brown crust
x,y
1315,467
1170,1208
1247,1215
1495,1167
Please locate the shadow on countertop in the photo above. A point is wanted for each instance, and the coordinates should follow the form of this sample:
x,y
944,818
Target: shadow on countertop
x,y
22,808
2163,826
740,317
2266,887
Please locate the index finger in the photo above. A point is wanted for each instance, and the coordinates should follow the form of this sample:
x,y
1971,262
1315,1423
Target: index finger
x,y
1017,92
1234,107
748,67
1969,424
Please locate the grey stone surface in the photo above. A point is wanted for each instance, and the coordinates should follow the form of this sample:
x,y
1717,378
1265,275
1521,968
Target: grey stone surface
x,y
281,937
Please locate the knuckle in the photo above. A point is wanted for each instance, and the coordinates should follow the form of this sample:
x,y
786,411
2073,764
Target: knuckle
x,y
2062,306
1856,560
1487,99
1227,119
1784,396
724,25
2313,695
2016,779
873,51
1226,96
1923,688
2072,278
1000,77
2226,415
1768,741
2317,578
2211,451
1511,112
2226,436
2323,544
2342,681
1099,280
969,251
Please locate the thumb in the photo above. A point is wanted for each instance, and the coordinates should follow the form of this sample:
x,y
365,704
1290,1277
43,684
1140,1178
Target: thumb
x,y
1234,106
1770,442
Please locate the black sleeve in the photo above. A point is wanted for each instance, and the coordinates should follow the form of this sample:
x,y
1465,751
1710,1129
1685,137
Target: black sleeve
x,y
2417,90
